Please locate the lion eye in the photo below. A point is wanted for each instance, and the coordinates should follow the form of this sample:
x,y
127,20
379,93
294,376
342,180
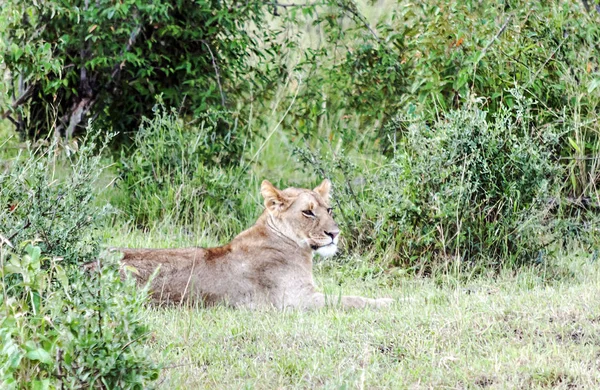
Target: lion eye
x,y
308,213
330,211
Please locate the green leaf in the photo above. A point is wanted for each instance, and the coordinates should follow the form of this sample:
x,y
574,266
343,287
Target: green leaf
x,y
33,251
61,275
574,144
11,269
593,85
40,355
43,384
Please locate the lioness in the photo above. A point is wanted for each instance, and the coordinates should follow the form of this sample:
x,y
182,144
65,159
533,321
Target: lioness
x,y
268,264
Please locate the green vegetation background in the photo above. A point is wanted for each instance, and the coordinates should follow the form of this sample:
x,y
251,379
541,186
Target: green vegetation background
x,y
462,139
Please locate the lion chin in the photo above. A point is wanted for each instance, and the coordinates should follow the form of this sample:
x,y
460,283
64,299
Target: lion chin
x,y
327,250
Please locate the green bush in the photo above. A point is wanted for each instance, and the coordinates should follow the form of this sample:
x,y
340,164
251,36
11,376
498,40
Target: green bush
x,y
47,194
180,172
469,190
432,56
73,60
428,58
60,328
85,334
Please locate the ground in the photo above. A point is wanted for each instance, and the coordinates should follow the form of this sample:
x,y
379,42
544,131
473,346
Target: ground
x,y
516,330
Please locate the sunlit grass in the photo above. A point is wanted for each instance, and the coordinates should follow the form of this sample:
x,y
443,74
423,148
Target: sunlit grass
x,y
523,328
513,332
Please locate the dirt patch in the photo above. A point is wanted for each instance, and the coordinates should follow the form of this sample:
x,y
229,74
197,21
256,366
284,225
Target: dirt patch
x,y
551,379
484,381
392,351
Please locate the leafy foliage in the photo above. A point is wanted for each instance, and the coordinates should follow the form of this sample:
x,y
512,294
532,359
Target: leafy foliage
x,y
180,171
79,59
58,326
430,58
51,199
470,190
86,334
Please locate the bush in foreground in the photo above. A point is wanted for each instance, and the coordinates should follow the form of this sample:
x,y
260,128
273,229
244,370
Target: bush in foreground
x,y
47,194
58,327
83,334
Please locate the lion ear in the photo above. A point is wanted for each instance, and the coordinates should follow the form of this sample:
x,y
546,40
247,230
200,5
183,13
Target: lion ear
x,y
274,199
324,189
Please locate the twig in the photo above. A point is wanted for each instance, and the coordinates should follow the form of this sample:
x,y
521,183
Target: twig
x,y
361,18
546,62
24,96
84,82
75,116
131,342
341,4
586,5
4,240
580,158
132,38
59,360
276,126
319,167
216,67
291,5
176,366
485,49
25,226
347,180
10,118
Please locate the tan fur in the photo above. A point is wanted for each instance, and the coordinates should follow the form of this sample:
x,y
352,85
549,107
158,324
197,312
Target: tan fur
x,y
270,264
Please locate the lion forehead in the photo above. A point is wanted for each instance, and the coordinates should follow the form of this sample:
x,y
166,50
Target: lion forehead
x,y
306,199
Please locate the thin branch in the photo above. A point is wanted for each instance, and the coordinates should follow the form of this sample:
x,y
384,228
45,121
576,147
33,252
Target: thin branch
x,y
84,82
10,118
129,342
4,240
276,126
25,226
75,116
216,67
291,5
582,202
78,114
341,4
580,158
22,99
586,5
132,38
176,366
361,18
532,79
485,49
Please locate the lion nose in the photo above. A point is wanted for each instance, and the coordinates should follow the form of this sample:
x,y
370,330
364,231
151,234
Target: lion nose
x,y
333,235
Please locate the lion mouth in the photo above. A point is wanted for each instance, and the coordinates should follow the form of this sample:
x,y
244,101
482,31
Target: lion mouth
x,y
325,250
315,247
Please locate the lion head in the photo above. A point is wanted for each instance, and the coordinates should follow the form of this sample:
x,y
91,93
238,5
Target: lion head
x,y
303,216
